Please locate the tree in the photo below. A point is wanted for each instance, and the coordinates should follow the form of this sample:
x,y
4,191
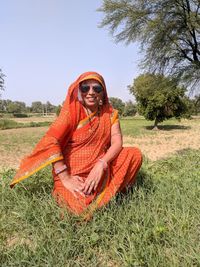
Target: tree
x,y
1,80
16,107
3,105
168,31
130,109
118,104
159,98
197,104
37,107
58,109
50,108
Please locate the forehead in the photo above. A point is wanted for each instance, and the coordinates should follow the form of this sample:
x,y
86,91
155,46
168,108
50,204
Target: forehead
x,y
90,82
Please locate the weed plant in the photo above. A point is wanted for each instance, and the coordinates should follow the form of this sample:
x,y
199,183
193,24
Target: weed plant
x,y
155,223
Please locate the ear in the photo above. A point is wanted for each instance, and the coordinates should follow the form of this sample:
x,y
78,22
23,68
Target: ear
x,y
80,99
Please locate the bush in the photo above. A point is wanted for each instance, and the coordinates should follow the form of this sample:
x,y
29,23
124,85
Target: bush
x,y
20,115
8,124
39,124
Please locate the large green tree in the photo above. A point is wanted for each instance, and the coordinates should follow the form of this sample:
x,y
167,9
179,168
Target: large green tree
x,y
159,98
168,31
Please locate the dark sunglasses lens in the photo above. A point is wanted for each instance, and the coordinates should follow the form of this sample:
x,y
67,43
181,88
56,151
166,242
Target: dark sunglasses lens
x,y
84,88
98,89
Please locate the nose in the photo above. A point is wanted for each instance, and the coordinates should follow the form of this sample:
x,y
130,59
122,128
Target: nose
x,y
91,90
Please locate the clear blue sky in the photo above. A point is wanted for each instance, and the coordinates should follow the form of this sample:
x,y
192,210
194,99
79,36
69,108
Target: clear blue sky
x,y
46,44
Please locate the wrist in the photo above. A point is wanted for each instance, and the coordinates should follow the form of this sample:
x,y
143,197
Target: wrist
x,y
64,176
60,169
104,164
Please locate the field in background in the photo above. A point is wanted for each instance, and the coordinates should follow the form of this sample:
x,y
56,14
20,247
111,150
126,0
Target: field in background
x,y
173,137
156,223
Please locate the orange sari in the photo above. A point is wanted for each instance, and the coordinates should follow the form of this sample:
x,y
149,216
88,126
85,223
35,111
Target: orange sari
x,y
81,140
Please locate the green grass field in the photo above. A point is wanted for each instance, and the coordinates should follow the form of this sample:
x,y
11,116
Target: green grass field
x,y
156,223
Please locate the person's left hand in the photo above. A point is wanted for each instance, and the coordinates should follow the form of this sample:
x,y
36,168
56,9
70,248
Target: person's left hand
x,y
93,178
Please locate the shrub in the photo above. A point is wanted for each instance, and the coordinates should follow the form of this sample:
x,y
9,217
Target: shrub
x,y
20,115
8,124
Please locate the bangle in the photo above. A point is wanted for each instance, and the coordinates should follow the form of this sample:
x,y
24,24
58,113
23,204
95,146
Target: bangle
x,y
105,164
62,169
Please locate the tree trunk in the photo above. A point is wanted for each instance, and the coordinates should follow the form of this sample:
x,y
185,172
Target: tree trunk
x,y
155,127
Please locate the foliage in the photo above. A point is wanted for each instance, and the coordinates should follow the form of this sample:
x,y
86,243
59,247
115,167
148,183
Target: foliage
x,y
3,105
58,109
196,102
168,30
158,97
49,108
130,109
1,80
37,107
16,107
118,104
7,105
20,115
155,224
8,124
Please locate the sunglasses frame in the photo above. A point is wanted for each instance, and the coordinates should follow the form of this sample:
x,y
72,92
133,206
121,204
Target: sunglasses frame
x,y
87,88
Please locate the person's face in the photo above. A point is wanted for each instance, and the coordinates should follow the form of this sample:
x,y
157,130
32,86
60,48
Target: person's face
x,y
92,93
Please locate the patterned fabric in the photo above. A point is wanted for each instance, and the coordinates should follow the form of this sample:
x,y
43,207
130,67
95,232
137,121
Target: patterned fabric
x,y
80,140
50,147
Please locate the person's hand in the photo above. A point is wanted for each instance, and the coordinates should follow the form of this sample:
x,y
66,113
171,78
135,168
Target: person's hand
x,y
93,178
74,184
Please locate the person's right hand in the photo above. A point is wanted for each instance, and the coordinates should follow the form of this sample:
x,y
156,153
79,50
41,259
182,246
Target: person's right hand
x,y
74,184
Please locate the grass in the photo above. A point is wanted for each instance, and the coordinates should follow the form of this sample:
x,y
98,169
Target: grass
x,y
155,224
11,124
138,126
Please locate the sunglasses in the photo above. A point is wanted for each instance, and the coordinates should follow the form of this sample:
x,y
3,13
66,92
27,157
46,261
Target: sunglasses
x,y
84,88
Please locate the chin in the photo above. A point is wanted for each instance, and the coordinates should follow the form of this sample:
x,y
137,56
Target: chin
x,y
91,105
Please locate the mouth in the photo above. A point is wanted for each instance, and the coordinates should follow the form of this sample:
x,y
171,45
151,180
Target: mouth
x,y
91,99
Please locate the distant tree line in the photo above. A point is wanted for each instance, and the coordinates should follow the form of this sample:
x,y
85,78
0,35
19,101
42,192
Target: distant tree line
x,y
129,108
19,107
124,108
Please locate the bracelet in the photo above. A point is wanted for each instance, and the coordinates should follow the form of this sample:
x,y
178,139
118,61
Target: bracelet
x,y
105,164
62,169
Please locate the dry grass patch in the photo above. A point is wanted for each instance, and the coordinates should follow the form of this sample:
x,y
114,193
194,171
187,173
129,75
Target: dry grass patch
x,y
35,119
16,143
164,143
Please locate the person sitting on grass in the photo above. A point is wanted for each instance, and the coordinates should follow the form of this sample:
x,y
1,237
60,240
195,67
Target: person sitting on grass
x,y
84,146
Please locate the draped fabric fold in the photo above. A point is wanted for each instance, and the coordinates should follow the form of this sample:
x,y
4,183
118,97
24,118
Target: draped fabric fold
x,y
80,140
50,148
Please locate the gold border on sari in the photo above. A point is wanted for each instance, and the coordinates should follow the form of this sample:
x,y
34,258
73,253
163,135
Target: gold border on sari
x,y
86,120
50,160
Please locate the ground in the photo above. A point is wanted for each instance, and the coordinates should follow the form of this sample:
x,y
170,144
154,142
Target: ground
x,y
164,143
16,143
